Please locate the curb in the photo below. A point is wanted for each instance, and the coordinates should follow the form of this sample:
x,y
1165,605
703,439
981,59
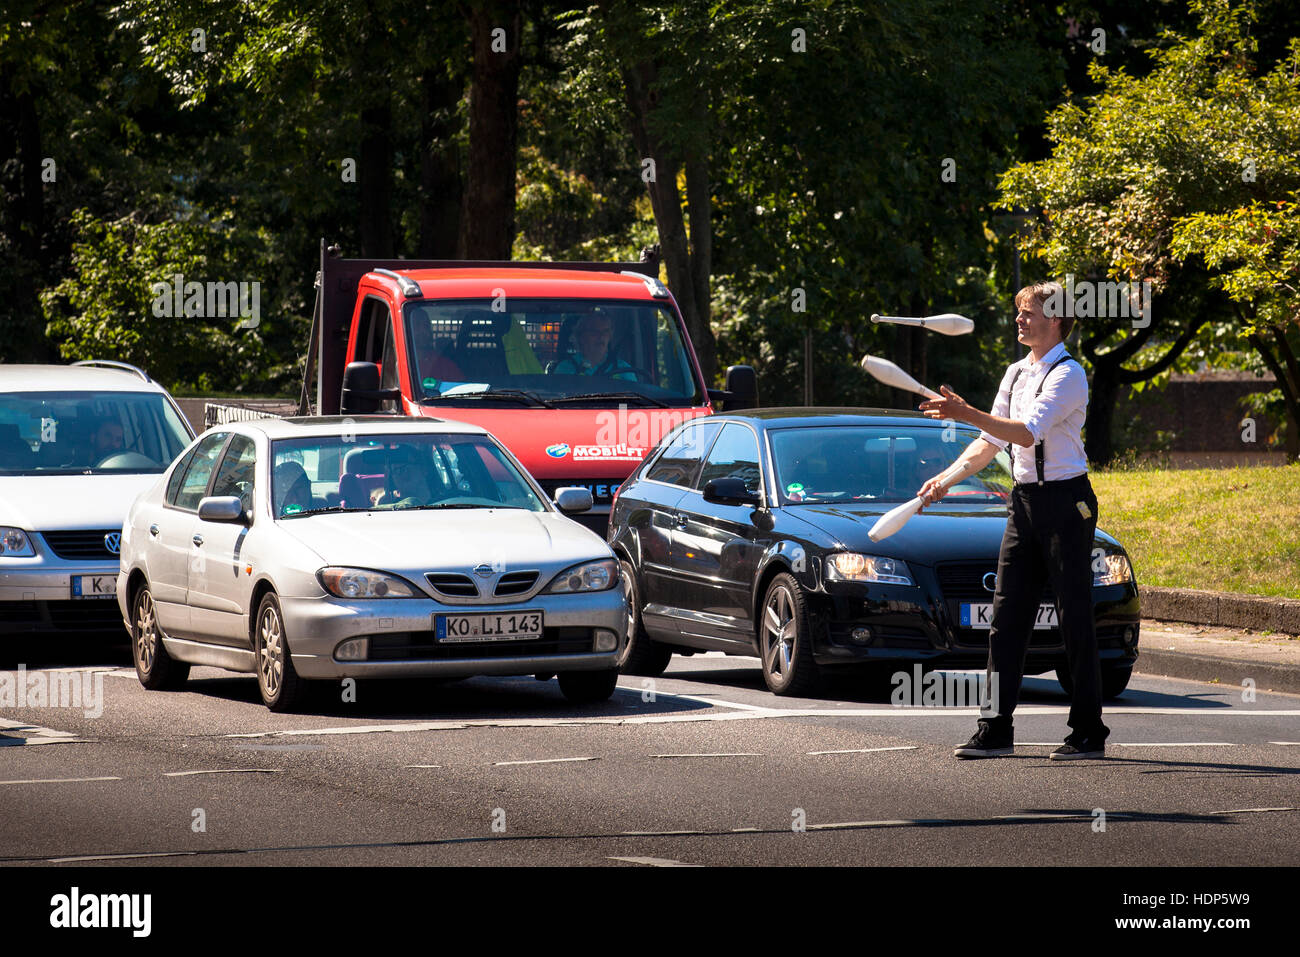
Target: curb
x,y
1227,672
1252,612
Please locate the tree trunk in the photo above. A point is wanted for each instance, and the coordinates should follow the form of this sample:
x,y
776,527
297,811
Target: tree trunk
x,y
28,343
488,214
688,275
1098,444
375,177
440,187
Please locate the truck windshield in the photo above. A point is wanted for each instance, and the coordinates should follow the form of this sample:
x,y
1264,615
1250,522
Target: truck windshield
x,y
549,351
81,433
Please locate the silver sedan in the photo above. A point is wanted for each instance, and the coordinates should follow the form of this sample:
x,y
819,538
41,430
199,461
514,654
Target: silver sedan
x,y
365,547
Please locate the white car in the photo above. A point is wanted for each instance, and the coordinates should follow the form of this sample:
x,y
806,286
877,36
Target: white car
x,y
365,547
77,445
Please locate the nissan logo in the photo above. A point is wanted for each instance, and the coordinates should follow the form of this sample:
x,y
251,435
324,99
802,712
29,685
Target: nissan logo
x,y
991,581
483,571
113,542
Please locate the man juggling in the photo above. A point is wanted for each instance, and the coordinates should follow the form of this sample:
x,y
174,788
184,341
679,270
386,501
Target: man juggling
x,y
1052,515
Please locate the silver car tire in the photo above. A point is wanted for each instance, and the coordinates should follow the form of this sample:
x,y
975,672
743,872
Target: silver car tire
x,y
281,688
156,669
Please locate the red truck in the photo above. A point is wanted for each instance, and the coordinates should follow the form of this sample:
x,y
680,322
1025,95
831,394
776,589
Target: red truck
x,y
578,368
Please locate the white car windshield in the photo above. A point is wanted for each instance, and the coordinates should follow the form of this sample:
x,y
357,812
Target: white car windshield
x,y
80,433
348,473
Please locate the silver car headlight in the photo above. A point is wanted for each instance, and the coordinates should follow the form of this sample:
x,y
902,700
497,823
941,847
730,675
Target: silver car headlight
x,y
1111,568
850,566
365,583
15,543
589,576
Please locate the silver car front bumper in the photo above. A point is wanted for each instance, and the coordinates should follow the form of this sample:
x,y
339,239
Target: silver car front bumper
x,y
315,627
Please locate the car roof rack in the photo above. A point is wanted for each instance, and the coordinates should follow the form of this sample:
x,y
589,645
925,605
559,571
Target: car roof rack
x,y
111,364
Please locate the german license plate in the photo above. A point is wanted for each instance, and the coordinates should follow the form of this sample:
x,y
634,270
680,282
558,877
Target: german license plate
x,y
495,626
980,616
94,586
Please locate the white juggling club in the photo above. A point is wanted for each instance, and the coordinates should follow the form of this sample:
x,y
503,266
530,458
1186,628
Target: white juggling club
x,y
896,518
890,374
950,324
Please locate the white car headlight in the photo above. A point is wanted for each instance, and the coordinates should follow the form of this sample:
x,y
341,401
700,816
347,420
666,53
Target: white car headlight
x,y
15,543
589,576
365,583
1112,568
850,566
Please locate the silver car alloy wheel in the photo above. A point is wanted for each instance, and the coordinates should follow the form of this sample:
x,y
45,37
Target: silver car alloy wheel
x,y
146,631
779,631
270,651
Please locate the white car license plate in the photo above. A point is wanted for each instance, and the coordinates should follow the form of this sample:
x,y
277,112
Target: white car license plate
x,y
497,626
94,586
980,616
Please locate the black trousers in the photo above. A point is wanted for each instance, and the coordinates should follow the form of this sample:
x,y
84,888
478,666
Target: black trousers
x,y
1048,540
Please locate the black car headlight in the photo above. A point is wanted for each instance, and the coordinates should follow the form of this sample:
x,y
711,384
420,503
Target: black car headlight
x,y
1110,568
852,567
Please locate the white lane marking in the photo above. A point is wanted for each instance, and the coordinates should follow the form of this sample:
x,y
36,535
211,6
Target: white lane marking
x,y
901,747
720,754
59,780
1256,810
654,861
453,725
1286,743
708,699
1175,744
424,765
183,774
120,857
20,733
501,764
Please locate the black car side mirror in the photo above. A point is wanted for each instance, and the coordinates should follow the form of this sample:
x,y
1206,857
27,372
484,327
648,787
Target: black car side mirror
x,y
729,491
361,392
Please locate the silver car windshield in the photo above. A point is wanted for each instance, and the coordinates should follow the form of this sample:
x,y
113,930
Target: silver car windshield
x,y
83,433
871,464
347,473
556,351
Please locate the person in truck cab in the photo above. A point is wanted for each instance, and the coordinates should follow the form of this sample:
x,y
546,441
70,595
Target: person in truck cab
x,y
592,356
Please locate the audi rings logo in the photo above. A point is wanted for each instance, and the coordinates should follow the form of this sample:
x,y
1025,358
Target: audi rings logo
x,y
991,581
113,542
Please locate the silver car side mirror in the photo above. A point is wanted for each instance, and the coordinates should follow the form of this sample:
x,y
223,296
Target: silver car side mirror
x,y
573,500
221,508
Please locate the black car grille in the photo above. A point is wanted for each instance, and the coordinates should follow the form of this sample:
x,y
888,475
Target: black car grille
x,y
420,645
81,544
965,582
516,583
453,585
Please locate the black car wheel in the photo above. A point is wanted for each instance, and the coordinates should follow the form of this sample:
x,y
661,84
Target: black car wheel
x,y
281,688
588,687
785,645
1113,680
157,670
642,655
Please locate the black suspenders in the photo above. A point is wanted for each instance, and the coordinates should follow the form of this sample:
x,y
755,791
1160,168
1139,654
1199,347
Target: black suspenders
x,y
1038,447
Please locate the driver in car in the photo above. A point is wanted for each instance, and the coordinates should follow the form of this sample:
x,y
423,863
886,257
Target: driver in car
x,y
410,487
592,357
106,440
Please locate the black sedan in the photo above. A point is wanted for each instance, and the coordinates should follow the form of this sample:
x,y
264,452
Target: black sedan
x,y
747,533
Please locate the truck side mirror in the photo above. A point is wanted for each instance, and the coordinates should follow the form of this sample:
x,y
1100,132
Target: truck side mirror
x,y
742,384
361,392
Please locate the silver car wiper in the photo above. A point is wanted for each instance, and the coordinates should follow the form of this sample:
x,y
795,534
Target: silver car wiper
x,y
412,508
323,508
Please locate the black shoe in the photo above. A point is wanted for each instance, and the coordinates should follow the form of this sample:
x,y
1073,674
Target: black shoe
x,y
988,742
1077,748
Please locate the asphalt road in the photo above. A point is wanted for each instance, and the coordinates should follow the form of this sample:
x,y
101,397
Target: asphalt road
x,y
702,766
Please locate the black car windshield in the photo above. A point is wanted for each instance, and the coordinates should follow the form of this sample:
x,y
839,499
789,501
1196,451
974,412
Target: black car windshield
x,y
351,473
844,464
569,352
84,433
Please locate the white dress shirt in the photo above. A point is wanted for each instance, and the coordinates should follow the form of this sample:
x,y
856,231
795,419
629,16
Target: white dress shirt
x,y
1054,418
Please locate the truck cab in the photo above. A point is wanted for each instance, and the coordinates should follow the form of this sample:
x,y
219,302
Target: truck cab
x,y
578,368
